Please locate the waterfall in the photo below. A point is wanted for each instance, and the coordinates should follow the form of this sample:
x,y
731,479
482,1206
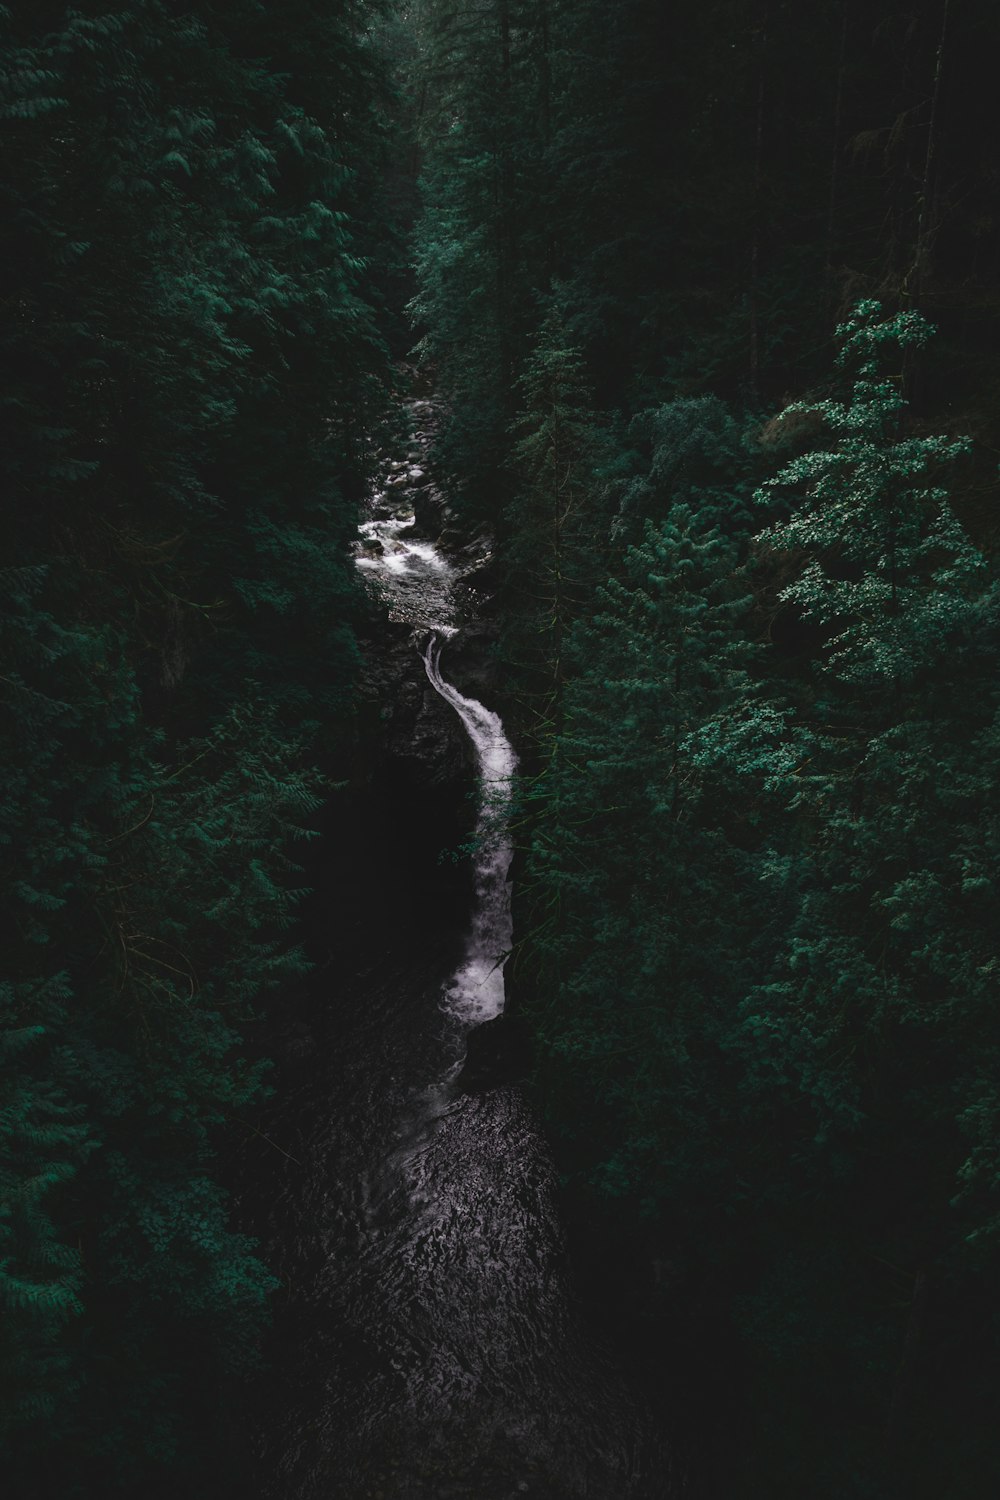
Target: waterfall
x,y
417,585
476,991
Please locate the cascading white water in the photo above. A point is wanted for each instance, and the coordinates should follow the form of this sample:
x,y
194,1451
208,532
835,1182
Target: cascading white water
x,y
476,991
417,585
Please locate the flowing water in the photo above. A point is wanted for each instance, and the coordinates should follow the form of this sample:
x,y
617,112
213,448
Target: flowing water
x,y
442,1352
476,991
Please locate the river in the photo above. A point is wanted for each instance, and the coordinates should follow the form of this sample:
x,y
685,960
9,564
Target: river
x,y
438,1346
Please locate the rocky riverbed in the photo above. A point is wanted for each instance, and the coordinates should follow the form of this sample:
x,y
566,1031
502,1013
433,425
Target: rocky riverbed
x,y
430,1341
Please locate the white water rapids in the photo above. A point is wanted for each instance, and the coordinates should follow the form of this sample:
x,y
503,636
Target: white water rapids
x,y
416,582
476,991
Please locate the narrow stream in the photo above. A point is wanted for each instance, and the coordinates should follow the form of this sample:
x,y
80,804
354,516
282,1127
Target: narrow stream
x,y
476,992
459,1364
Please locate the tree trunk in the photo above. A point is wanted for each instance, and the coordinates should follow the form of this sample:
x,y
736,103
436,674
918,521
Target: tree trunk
x,y
838,123
928,221
504,210
545,72
902,1391
757,216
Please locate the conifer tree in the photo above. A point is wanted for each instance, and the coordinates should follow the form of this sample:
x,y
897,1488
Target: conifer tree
x,y
479,259
866,1044
194,365
553,525
634,861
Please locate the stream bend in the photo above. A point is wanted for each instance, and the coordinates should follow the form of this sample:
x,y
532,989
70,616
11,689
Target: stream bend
x,y
441,1350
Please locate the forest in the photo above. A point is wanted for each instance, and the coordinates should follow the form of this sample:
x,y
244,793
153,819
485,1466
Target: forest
x,y
708,298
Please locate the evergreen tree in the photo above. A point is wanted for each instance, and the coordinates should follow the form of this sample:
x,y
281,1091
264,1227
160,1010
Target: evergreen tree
x,y
477,253
862,1050
195,367
761,956
635,862
553,525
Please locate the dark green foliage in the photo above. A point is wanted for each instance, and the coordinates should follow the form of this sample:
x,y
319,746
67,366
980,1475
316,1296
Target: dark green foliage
x,y
750,654
627,855
549,528
44,1142
703,190
480,249
889,568
194,363
762,946
872,1028
752,661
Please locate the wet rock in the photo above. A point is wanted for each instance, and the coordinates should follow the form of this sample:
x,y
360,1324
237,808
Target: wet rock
x,y
428,510
442,754
298,1047
469,659
499,1052
416,729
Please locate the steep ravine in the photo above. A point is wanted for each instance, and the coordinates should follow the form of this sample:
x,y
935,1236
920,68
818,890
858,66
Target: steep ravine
x,y
429,1341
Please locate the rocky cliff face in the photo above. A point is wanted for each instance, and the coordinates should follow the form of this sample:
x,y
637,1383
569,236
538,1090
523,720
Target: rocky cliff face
x,y
408,724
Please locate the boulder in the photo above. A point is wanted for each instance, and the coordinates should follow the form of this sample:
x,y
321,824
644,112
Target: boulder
x,y
498,1052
